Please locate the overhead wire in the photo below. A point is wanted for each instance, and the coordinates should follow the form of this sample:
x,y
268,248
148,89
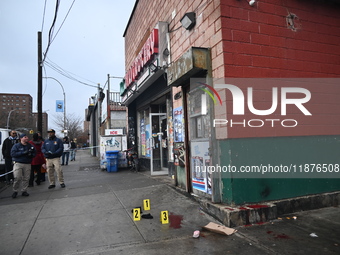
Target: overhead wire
x,y
50,33
63,21
68,72
50,63
42,25
51,38
67,75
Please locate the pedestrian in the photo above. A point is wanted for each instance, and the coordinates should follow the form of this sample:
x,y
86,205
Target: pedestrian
x,y
66,152
73,151
43,167
22,154
6,152
53,149
37,161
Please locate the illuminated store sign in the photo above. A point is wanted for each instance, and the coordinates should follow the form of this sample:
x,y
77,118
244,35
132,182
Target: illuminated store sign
x,y
143,58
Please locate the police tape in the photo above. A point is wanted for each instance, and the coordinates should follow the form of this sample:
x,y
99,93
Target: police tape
x,y
6,173
85,148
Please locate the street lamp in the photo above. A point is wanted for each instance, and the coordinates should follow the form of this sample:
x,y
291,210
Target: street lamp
x,y
9,115
64,98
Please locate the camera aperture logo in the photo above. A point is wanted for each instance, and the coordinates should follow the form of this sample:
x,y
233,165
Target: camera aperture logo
x,y
238,101
209,93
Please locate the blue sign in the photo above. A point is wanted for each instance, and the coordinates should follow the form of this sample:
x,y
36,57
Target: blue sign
x,y
59,107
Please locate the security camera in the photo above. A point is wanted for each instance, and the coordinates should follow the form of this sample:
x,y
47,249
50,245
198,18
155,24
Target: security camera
x,y
252,2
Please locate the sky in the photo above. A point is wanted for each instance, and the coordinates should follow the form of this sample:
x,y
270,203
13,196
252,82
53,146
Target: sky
x,y
89,45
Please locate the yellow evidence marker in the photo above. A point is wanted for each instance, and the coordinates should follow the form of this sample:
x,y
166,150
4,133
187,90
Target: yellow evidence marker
x,y
146,203
164,217
136,214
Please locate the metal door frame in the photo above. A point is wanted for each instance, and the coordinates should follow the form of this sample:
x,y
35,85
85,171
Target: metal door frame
x,y
164,171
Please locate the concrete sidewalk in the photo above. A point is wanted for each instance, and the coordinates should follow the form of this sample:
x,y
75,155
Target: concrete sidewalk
x,y
92,215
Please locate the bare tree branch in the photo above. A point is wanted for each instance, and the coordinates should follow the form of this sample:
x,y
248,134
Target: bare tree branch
x,y
73,124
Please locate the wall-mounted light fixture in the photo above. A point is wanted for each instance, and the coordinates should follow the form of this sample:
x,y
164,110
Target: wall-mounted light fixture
x,y
166,52
188,20
153,67
133,88
252,2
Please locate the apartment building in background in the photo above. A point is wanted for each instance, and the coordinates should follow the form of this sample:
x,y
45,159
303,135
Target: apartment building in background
x,y
16,113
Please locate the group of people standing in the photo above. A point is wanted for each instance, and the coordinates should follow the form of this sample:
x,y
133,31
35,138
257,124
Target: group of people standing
x,y
69,151
26,158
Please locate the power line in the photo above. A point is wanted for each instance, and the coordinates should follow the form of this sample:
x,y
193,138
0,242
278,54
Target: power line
x,y
63,20
50,34
67,75
68,72
42,25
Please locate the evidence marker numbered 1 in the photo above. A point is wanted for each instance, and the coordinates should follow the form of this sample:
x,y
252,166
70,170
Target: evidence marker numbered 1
x,y
146,203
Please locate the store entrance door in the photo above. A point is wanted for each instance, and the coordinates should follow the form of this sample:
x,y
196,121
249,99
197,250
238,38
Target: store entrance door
x,y
159,144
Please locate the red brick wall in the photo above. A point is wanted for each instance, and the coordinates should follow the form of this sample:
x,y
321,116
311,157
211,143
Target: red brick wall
x,y
257,42
206,33
254,41
260,44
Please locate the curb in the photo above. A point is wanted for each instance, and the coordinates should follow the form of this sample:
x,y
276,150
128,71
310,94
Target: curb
x,y
249,214
245,215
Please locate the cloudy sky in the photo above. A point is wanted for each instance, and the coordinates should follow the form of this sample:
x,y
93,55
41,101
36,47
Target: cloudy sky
x,y
88,46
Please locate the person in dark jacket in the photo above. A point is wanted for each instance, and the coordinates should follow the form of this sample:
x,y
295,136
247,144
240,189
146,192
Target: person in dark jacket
x,y
73,150
38,160
53,149
6,152
66,152
22,154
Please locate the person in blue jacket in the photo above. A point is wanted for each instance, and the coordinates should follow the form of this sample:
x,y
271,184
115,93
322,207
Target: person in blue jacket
x,y
53,149
22,154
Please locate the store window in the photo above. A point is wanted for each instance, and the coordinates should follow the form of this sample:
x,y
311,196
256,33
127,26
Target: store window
x,y
200,122
144,128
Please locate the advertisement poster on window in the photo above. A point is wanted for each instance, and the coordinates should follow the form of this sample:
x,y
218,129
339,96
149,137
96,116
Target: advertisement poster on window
x,y
147,139
178,124
142,137
171,139
200,160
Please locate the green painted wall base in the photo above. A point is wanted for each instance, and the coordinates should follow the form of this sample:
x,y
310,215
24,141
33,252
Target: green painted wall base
x,y
277,151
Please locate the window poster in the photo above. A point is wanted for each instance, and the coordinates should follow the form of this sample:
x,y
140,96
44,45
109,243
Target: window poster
x,y
178,125
200,161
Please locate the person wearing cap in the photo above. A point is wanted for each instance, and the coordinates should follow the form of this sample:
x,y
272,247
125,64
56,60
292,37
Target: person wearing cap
x,y
22,154
53,149
6,152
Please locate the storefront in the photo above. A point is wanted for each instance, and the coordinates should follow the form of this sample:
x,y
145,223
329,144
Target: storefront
x,y
193,135
148,98
171,117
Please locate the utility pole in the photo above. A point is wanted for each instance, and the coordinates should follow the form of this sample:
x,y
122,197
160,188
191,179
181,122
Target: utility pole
x,y
39,124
